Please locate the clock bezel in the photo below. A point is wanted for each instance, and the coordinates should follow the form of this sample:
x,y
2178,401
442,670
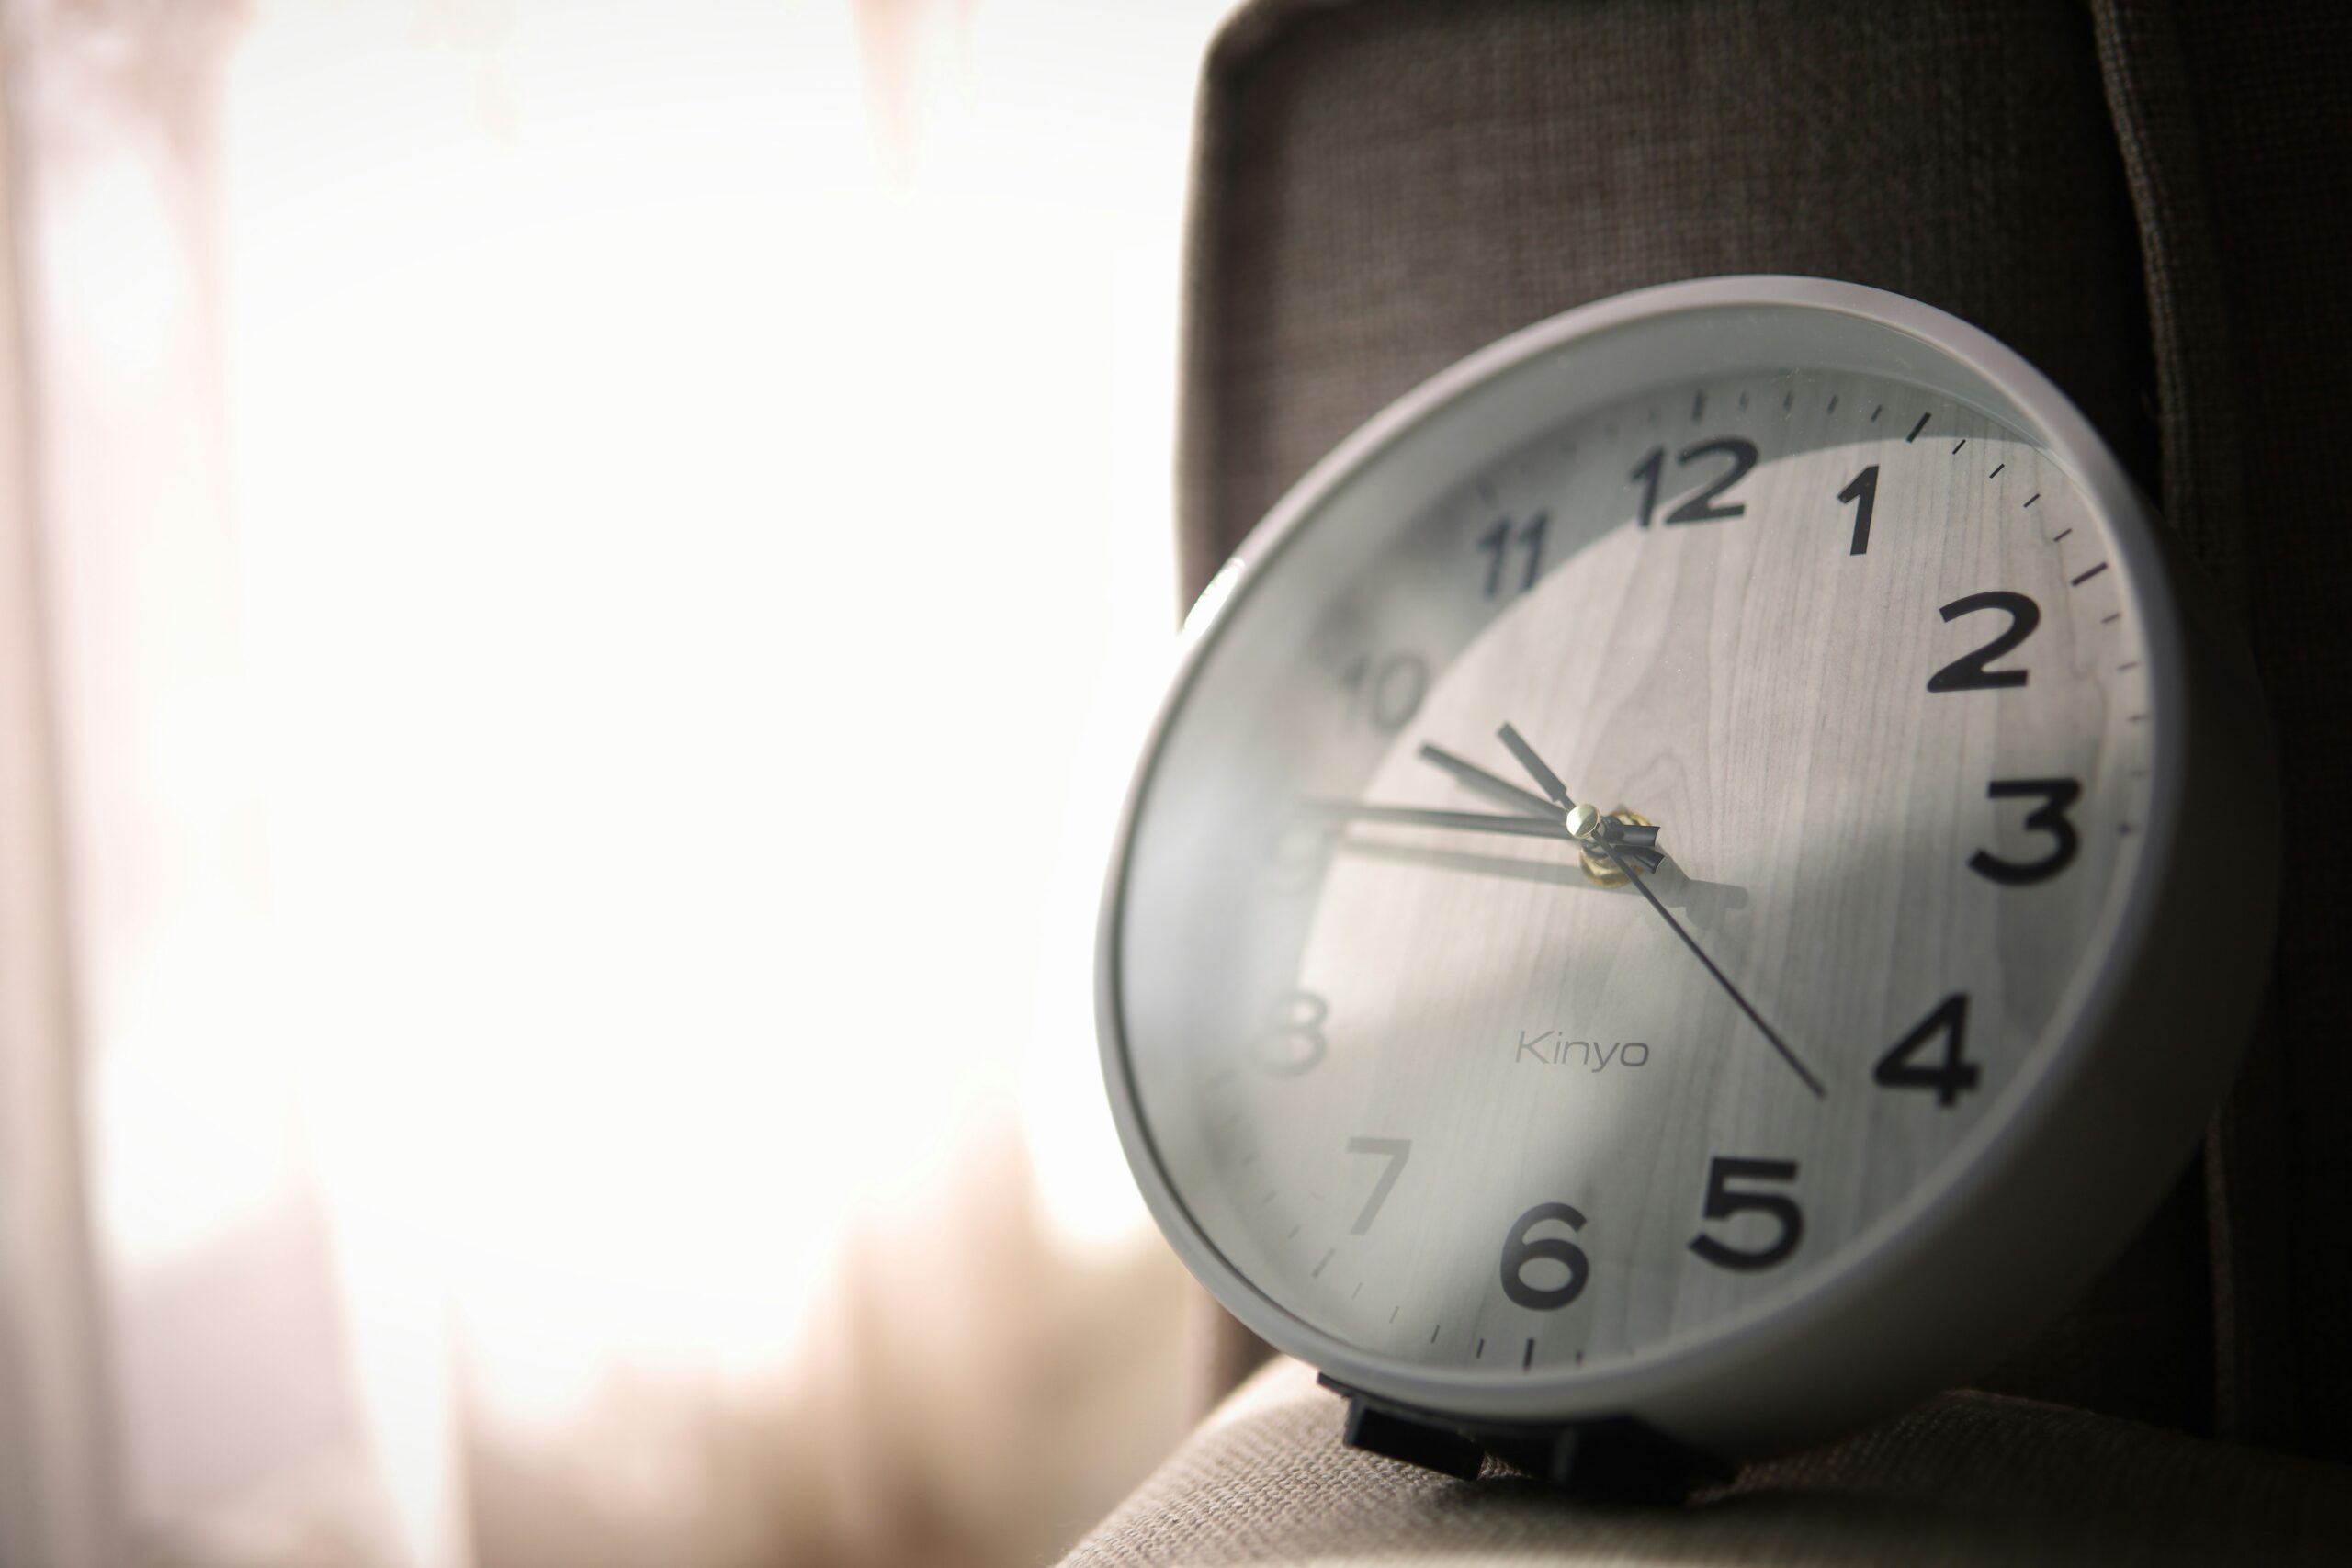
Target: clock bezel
x,y
2086,1149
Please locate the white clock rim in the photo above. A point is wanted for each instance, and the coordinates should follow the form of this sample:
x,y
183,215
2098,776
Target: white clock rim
x,y
1930,1293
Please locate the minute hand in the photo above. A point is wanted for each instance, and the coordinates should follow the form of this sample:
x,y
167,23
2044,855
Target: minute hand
x,y
1487,784
1550,783
1545,827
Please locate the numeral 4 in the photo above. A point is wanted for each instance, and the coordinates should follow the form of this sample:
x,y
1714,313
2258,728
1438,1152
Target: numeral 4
x,y
1952,1076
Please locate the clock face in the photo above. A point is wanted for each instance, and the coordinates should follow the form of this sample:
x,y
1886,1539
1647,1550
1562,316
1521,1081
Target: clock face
x,y
1440,1087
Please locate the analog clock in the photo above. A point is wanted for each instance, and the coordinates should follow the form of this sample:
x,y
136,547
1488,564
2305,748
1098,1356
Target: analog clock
x,y
1704,869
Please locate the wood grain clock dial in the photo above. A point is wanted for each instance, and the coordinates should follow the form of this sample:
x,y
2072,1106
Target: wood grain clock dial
x,y
1697,868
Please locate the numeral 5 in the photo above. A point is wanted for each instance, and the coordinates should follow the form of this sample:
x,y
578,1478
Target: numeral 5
x,y
1724,1201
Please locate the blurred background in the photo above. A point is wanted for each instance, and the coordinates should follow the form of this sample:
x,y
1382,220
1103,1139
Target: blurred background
x,y
579,585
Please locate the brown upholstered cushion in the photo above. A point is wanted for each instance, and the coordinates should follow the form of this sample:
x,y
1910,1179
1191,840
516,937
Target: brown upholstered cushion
x,y
1965,1479
2243,131
1383,187
2149,205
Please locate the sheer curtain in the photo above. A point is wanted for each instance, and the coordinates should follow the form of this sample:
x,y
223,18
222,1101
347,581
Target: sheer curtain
x,y
581,583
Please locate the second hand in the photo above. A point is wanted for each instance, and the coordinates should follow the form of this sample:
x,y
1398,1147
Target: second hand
x,y
1589,831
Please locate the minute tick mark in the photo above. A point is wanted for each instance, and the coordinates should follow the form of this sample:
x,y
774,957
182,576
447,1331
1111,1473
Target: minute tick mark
x,y
2093,571
1916,428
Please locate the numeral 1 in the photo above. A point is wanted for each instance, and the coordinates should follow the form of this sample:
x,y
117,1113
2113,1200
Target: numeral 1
x,y
1862,495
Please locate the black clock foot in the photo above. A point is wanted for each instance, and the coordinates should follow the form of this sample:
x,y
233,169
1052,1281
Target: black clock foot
x,y
1618,1457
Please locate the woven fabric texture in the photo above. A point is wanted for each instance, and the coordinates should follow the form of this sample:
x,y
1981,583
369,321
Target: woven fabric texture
x,y
1965,1479
1386,186
2237,120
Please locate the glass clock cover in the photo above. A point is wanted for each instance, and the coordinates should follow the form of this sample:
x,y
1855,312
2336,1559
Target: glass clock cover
x,y
1862,661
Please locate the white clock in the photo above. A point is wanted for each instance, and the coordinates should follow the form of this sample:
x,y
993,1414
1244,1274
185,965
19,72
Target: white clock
x,y
1704,870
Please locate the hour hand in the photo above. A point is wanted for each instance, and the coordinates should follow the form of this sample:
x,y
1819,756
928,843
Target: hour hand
x,y
1471,775
1545,779
1635,841
1632,841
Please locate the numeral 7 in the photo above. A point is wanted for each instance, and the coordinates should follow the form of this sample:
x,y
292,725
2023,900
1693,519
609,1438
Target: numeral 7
x,y
1396,1151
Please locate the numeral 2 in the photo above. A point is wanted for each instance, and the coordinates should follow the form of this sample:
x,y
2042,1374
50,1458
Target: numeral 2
x,y
1700,507
1967,673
